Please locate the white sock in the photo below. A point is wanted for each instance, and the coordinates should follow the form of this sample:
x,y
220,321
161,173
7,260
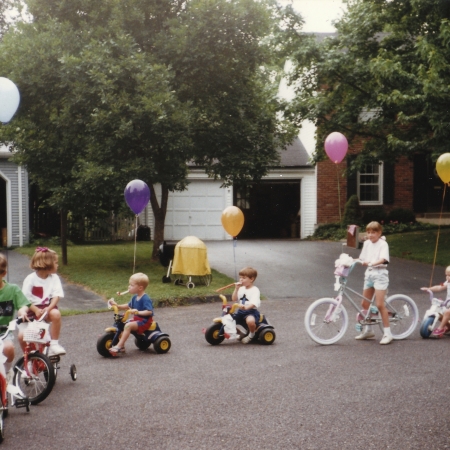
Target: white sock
x,y
54,342
8,366
251,335
387,331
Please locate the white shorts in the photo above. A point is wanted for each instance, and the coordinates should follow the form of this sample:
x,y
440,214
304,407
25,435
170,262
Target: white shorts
x,y
376,278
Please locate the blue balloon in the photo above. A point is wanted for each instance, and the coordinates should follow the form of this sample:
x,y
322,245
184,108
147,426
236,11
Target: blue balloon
x,y
137,195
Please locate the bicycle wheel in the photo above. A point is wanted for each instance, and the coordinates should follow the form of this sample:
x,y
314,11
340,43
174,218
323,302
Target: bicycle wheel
x,y
324,323
40,384
425,328
403,315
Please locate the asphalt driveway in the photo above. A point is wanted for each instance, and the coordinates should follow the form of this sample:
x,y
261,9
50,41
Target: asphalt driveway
x,y
293,394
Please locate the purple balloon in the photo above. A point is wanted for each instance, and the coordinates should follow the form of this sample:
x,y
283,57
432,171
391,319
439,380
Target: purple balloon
x,y
336,146
137,195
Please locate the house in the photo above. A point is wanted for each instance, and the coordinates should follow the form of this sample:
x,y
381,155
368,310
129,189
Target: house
x,y
410,183
281,205
14,212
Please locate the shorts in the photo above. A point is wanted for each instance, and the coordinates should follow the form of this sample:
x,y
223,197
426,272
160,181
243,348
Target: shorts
x,y
376,278
242,314
143,324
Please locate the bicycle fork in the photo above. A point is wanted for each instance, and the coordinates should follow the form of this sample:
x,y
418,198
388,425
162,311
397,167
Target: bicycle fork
x,y
333,310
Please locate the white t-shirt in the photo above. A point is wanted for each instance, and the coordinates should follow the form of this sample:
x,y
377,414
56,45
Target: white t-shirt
x,y
374,251
40,291
252,295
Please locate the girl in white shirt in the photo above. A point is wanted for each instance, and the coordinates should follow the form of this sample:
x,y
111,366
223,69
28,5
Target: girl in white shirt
x,y
43,289
375,255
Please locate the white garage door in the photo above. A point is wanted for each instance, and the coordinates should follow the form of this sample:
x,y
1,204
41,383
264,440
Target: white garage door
x,y
197,211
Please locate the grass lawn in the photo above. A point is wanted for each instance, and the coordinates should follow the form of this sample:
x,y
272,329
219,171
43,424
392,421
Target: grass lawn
x,y
420,246
106,269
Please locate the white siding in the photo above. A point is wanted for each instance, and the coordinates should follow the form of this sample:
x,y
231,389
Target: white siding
x,y
308,201
194,212
16,205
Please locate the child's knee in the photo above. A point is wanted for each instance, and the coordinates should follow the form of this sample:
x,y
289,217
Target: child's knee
x,y
54,315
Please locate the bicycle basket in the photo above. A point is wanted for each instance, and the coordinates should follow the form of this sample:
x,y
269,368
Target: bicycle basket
x,y
37,332
342,271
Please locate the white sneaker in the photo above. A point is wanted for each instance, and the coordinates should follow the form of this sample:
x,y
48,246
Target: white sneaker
x,y
56,349
386,340
365,335
246,340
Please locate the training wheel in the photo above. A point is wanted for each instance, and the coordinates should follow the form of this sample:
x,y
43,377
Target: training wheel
x,y
190,285
73,372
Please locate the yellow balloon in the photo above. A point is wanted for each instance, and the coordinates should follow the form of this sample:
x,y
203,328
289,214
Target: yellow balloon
x,y
443,167
232,220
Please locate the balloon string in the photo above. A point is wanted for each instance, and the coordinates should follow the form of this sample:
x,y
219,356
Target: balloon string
x,y
339,194
234,256
135,236
437,237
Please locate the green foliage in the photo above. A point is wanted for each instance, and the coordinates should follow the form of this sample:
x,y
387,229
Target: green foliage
x,y
352,212
383,79
377,213
114,90
335,232
401,215
329,232
420,246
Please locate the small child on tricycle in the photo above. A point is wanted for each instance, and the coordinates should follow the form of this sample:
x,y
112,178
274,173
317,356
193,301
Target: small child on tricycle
x,y
140,305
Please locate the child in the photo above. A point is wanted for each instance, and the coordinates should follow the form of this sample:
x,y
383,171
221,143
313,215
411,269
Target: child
x,y
249,297
440,331
375,255
43,289
141,306
11,300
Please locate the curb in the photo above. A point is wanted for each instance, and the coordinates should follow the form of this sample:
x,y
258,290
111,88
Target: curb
x,y
184,301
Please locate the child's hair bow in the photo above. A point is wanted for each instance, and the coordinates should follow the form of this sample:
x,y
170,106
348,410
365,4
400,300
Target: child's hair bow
x,y
42,249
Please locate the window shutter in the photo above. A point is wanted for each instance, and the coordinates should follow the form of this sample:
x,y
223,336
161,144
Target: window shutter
x,y
388,183
351,179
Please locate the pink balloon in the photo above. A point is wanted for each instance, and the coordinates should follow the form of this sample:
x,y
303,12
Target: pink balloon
x,y
336,146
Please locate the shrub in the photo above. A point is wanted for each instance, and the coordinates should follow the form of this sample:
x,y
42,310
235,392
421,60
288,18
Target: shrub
x,y
377,214
352,212
401,215
329,231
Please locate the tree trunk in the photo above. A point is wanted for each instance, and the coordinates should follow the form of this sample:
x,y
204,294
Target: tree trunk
x,y
160,217
63,214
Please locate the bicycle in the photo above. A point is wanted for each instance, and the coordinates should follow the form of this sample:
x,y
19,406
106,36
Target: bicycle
x,y
17,398
35,372
326,320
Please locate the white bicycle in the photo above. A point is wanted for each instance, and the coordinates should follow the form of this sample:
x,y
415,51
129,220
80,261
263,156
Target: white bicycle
x,y
326,320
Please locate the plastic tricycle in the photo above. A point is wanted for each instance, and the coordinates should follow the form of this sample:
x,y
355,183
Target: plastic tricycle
x,y
433,316
111,336
215,333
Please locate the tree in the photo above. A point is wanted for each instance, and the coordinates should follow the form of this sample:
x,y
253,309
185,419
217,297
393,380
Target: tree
x,y
116,90
383,78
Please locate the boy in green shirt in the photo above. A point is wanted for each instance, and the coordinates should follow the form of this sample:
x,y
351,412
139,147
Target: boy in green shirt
x,y
12,301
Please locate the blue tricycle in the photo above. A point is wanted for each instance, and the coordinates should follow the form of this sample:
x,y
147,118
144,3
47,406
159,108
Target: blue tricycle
x,y
154,335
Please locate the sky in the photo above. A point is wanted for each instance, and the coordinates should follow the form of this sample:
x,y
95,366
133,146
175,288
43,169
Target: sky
x,y
318,14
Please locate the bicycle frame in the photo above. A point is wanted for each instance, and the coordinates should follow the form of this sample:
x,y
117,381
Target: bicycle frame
x,y
365,316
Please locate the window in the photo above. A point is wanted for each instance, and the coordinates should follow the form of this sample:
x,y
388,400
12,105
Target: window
x,y
370,184
243,197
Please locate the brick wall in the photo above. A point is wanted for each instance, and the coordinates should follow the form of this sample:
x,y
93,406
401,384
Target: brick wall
x,y
328,188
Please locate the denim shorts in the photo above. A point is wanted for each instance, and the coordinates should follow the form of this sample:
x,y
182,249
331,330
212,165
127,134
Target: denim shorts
x,y
376,278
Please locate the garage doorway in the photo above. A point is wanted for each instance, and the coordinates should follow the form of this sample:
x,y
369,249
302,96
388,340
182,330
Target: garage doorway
x,y
271,209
